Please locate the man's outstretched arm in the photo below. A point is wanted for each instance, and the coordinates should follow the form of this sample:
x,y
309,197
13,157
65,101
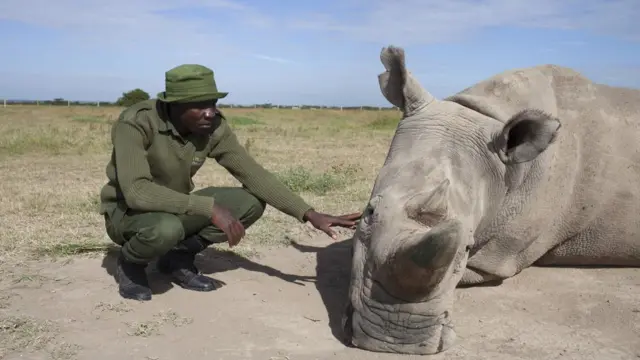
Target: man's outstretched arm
x,y
259,181
262,183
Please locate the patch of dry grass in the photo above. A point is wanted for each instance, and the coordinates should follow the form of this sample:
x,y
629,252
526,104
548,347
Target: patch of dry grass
x,y
21,332
26,334
152,327
52,166
117,308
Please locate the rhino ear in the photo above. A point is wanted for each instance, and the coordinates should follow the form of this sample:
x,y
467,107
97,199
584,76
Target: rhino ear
x,y
526,135
392,81
397,84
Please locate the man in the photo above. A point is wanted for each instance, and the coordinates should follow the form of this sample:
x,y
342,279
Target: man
x,y
148,203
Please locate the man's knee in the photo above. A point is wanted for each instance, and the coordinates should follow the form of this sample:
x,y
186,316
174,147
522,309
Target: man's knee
x,y
166,232
255,209
243,204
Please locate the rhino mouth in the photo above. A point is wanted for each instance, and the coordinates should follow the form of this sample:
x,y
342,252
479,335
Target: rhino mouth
x,y
397,328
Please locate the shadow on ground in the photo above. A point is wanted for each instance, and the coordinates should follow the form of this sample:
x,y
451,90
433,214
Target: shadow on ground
x,y
210,261
333,269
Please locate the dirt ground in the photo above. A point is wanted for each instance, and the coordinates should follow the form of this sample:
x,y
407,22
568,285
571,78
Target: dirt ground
x,y
284,304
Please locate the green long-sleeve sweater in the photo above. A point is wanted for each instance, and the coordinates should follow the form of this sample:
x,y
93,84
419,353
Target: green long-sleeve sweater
x,y
152,166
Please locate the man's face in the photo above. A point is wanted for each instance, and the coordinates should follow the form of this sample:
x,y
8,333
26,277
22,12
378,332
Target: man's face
x,y
196,117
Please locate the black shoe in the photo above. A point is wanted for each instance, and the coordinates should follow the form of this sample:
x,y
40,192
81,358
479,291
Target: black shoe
x,y
132,280
179,263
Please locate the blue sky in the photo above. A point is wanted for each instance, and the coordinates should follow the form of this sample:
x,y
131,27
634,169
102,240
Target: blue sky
x,y
304,52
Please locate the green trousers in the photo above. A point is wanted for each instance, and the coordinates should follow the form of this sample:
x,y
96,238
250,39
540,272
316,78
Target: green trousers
x,y
147,235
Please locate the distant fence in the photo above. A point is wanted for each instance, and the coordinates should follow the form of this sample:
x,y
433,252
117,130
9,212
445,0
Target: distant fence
x,y
62,102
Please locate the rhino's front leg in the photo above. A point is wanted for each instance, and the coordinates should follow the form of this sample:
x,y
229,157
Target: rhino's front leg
x,y
473,277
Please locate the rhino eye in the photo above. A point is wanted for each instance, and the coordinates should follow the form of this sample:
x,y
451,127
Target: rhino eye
x,y
368,211
367,214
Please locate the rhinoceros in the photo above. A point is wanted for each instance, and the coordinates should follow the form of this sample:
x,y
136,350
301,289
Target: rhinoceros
x,y
536,166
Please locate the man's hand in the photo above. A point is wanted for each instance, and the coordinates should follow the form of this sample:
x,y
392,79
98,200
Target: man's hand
x,y
324,222
222,218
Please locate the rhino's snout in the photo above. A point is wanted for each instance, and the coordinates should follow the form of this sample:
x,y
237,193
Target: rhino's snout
x,y
428,336
379,324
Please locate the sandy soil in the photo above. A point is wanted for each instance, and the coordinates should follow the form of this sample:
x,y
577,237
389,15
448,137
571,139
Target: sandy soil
x,y
275,307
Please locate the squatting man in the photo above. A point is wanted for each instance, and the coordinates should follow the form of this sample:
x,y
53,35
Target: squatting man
x,y
148,203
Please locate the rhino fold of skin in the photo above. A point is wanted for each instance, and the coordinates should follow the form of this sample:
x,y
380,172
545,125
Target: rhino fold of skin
x,y
535,166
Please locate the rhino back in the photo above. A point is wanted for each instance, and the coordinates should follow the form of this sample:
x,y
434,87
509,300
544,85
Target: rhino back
x,y
602,227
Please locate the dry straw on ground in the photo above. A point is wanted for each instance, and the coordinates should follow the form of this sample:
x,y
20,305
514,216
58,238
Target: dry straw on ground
x,y
53,165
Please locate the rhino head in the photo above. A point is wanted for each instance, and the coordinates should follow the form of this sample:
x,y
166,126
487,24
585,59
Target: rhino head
x,y
447,169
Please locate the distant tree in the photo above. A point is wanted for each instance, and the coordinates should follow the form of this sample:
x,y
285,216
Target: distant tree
x,y
132,97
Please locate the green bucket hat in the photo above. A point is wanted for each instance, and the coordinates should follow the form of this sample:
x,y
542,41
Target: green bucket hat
x,y
190,83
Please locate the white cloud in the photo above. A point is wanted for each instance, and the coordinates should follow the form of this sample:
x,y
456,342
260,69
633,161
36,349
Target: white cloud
x,y
427,21
80,13
137,24
130,24
272,59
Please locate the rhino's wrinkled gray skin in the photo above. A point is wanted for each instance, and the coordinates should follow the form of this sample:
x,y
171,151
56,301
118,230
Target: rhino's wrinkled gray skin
x,y
536,166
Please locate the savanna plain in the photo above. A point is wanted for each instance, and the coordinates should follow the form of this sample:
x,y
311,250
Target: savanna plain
x,y
285,283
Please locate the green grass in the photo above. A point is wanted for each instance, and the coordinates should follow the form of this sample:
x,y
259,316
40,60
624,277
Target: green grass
x,y
300,179
385,122
243,121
